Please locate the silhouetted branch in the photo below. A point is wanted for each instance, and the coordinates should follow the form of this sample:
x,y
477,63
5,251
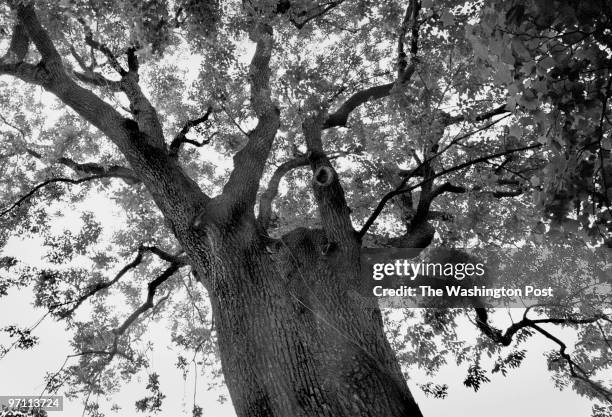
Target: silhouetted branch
x,y
576,371
151,288
405,71
112,59
449,120
53,181
315,13
411,22
505,339
181,137
115,171
174,259
341,115
457,189
447,187
402,189
418,170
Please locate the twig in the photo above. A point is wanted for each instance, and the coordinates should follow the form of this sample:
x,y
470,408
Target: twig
x,y
52,181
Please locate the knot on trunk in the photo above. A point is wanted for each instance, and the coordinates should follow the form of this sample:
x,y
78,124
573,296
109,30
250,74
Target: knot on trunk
x,y
323,176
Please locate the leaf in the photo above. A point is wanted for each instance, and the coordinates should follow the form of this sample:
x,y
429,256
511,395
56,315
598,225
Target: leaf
x,y
516,131
547,63
476,377
520,50
507,57
447,18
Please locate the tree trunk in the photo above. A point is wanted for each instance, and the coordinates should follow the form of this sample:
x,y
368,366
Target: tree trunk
x,y
296,337
297,334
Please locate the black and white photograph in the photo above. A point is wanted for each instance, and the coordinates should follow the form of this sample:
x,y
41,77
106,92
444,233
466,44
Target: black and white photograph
x,y
305,208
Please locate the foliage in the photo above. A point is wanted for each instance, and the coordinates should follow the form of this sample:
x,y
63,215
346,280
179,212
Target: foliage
x,y
490,77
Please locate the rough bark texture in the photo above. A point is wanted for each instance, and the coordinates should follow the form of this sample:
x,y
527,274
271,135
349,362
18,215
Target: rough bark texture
x,y
296,338
297,335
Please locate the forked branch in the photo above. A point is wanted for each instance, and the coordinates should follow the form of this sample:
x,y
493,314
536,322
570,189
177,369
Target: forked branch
x,y
181,137
249,162
401,188
505,339
174,259
405,70
148,304
92,168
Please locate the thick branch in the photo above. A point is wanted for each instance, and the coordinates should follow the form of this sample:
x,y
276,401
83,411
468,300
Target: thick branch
x,y
411,22
51,75
19,45
39,36
104,285
29,73
328,192
114,171
458,189
249,162
141,141
340,116
405,71
98,80
144,112
447,187
268,196
265,202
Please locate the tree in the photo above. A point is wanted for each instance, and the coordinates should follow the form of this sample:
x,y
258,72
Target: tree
x,y
482,120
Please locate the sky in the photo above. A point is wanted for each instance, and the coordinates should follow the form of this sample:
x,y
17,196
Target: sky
x,y
526,391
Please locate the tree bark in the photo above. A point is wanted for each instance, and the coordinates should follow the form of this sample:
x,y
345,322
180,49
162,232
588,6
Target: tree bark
x,y
297,334
296,337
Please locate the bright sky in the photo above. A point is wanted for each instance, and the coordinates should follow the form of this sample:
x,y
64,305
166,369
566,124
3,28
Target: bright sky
x,y
527,391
